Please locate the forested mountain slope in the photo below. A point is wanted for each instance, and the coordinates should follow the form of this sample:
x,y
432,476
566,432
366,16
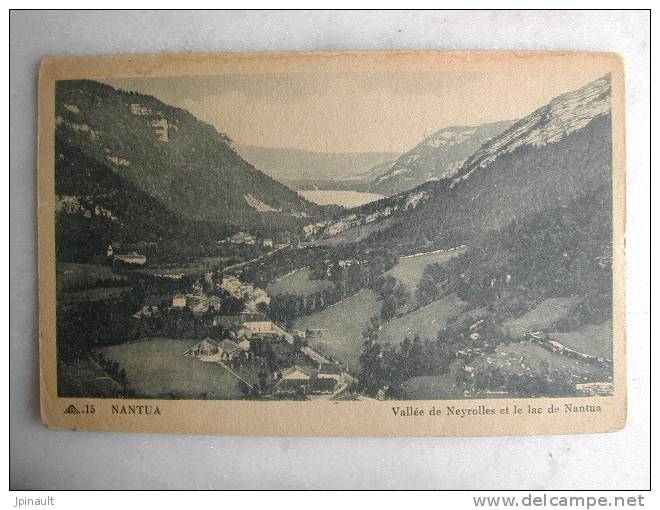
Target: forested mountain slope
x,y
168,154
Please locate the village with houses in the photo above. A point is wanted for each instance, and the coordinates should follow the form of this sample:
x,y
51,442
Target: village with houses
x,y
263,358
220,336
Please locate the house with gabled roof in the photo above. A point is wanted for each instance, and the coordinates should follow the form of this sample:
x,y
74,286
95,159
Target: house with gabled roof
x,y
297,379
256,322
206,347
330,371
201,305
297,373
229,350
294,379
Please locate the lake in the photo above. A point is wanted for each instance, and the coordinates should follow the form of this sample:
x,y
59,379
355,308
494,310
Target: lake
x,y
344,198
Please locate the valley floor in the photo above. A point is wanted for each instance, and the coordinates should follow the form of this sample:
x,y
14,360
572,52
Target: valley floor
x,y
156,367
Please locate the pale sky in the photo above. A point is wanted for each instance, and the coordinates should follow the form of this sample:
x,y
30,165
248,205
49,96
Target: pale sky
x,y
359,111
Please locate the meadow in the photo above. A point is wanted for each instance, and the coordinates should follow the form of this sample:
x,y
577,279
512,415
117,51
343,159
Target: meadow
x,y
541,317
157,368
297,283
424,322
593,339
408,270
84,378
430,387
343,323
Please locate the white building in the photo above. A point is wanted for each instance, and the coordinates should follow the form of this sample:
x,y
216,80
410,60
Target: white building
x,y
256,322
179,301
201,305
330,371
131,258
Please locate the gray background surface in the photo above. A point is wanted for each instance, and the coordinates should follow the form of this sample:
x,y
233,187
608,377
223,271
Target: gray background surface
x,y
44,459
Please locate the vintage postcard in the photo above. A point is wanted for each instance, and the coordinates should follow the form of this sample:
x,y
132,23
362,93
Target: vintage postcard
x,y
333,244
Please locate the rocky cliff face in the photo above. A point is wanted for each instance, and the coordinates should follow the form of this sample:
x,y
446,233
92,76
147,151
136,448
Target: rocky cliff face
x,y
437,157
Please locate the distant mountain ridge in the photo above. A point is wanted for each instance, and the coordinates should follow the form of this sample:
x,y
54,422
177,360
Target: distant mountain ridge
x,y
549,124
551,155
437,157
291,165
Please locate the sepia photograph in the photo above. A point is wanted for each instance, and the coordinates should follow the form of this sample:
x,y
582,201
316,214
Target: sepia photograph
x,y
298,227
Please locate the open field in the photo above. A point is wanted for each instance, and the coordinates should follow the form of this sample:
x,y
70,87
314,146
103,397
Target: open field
x,y
409,270
424,322
79,276
156,368
297,283
544,315
435,386
595,340
344,322
84,378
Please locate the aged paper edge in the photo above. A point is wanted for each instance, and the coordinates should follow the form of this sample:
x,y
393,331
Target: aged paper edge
x,y
312,418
